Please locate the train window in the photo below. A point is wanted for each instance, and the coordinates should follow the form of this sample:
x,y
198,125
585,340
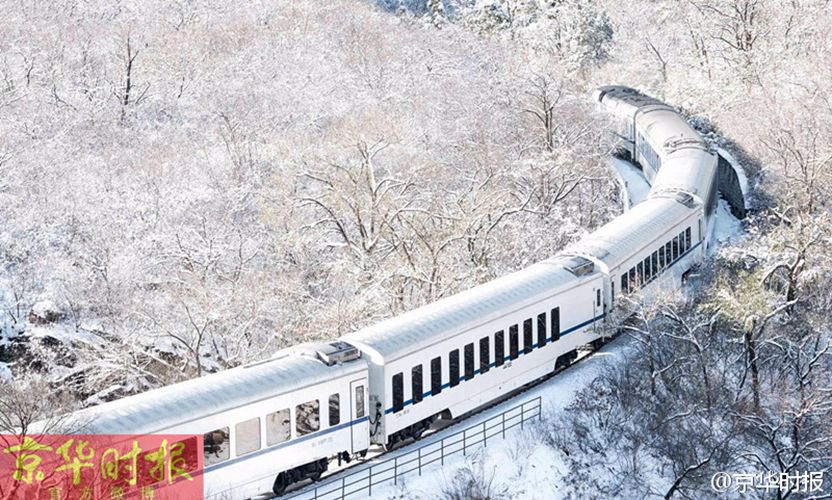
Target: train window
x,y
398,392
307,417
662,262
436,376
687,238
675,248
359,401
499,348
416,383
528,336
541,329
648,269
247,436
453,366
278,427
655,259
624,283
513,342
668,254
640,273
216,447
469,361
598,298
485,355
682,247
554,319
612,291
334,410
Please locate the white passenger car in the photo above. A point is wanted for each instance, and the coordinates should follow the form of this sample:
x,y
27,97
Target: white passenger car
x,y
459,353
658,238
265,425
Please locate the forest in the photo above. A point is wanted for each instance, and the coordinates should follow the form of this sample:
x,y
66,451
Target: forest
x,y
188,186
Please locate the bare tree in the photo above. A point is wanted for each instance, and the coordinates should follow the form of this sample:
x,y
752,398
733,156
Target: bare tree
x,y
362,204
737,21
543,96
805,159
659,57
128,96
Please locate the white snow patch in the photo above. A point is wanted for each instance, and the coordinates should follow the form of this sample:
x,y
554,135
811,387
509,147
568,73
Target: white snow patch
x,y
66,335
5,373
633,181
44,307
726,226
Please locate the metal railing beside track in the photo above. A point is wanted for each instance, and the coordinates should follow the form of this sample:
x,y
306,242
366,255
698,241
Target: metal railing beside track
x,y
363,481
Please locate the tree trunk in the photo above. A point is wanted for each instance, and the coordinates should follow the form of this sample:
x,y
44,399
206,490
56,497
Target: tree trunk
x,y
751,352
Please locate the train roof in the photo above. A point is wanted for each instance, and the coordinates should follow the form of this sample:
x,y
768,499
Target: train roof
x,y
668,131
626,95
625,102
626,235
426,325
688,170
160,409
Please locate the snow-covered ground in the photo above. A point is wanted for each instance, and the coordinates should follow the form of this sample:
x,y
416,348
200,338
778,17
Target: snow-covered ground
x,y
727,226
632,180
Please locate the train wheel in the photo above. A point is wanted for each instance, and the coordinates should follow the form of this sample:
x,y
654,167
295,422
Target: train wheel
x,y
280,484
320,467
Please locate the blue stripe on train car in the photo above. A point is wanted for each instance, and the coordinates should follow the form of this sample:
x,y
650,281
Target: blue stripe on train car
x,y
507,358
562,334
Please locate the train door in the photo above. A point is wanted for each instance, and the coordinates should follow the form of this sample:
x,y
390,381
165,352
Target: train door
x,y
596,304
612,296
359,427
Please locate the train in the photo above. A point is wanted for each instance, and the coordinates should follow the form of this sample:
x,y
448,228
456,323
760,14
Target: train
x,y
272,424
